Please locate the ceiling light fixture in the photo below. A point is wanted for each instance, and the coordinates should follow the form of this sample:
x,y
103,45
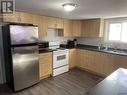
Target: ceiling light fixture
x,y
69,6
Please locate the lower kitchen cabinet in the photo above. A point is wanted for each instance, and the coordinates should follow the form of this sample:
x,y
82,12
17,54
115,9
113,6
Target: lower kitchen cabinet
x,y
72,58
45,64
121,61
98,62
99,59
80,59
105,63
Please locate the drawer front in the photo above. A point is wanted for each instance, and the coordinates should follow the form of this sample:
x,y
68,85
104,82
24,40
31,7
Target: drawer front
x,y
45,58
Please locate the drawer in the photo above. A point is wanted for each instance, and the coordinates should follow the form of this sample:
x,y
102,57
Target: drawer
x,y
60,70
45,58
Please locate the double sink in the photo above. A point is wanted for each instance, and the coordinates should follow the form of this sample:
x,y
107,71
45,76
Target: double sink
x,y
114,51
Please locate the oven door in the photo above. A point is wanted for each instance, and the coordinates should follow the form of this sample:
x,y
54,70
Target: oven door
x,y
60,59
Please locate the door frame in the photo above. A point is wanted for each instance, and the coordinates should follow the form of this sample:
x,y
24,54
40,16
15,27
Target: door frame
x,y
2,70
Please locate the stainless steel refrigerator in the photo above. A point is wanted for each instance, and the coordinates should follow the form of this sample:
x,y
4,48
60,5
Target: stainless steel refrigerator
x,y
21,55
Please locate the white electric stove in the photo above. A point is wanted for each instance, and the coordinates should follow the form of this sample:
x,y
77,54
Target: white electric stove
x,y
60,58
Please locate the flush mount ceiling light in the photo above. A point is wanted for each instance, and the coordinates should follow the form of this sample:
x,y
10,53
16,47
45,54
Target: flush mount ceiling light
x,y
69,6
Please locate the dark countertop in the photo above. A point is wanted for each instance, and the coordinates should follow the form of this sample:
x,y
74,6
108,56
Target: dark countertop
x,y
91,48
45,50
95,48
114,84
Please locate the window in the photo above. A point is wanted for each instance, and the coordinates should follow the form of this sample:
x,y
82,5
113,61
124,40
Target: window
x,y
117,31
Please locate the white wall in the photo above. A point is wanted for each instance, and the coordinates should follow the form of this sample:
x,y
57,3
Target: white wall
x,y
96,41
90,41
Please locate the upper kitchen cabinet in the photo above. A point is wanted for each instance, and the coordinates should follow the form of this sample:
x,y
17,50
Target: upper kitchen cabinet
x,y
92,28
12,18
40,21
54,22
68,25
60,23
77,24
19,17
26,17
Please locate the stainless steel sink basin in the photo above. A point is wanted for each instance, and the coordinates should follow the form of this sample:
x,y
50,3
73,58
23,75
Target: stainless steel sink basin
x,y
114,51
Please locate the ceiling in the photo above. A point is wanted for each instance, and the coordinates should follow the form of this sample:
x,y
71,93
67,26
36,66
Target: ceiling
x,y
86,8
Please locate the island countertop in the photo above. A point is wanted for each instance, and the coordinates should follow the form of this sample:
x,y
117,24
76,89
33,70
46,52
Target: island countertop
x,y
114,84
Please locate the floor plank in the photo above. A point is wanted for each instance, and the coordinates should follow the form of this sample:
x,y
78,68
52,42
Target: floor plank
x,y
74,82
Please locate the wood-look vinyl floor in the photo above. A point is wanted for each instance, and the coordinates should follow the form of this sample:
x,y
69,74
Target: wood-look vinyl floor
x,y
74,82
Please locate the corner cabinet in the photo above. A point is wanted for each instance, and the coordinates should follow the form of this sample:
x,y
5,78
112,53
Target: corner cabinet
x,y
68,25
93,28
45,65
77,24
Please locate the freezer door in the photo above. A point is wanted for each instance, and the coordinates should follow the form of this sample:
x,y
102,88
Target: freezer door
x,y
20,34
25,66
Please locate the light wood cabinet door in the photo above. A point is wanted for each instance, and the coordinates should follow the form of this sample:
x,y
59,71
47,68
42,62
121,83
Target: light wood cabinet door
x,y
12,18
26,17
81,60
109,64
45,64
72,58
78,57
43,26
93,27
85,28
85,59
90,60
121,61
101,63
51,22
60,23
68,27
40,21
77,27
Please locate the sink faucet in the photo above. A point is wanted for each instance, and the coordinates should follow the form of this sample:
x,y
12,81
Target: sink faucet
x,y
100,46
121,47
115,48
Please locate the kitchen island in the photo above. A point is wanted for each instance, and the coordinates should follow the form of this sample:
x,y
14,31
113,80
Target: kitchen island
x,y
114,84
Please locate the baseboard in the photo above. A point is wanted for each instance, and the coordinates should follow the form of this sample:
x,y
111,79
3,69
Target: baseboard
x,y
72,67
41,78
95,73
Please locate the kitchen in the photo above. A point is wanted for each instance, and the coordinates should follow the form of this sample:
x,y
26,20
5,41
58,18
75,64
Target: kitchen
x,y
71,51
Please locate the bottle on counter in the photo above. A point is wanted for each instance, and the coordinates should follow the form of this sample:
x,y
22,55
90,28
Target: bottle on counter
x,y
75,42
